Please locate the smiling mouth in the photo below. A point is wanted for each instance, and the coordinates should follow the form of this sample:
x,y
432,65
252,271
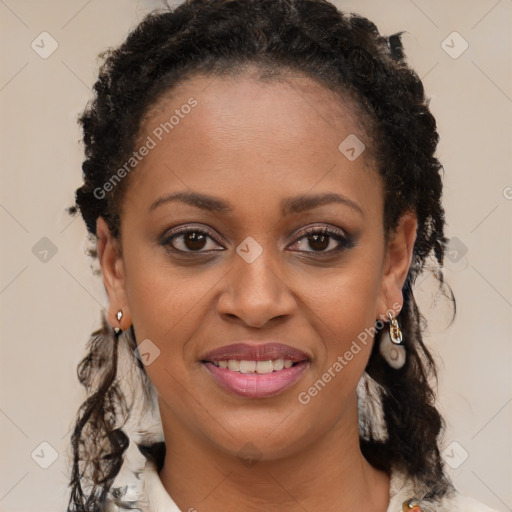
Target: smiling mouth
x,y
256,379
259,367
256,370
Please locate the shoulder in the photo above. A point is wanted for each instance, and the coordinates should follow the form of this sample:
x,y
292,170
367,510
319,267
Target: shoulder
x,y
409,494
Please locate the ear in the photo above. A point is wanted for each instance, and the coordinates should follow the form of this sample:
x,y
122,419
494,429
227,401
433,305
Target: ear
x,y
397,261
112,270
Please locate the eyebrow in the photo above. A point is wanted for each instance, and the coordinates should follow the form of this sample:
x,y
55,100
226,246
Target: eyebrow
x,y
289,205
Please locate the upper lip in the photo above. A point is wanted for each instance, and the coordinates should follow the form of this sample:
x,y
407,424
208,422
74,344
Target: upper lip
x,y
250,351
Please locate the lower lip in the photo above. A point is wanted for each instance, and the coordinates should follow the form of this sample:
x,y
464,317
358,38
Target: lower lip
x,y
257,385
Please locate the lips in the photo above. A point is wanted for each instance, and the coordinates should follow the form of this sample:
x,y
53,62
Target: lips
x,y
256,370
256,352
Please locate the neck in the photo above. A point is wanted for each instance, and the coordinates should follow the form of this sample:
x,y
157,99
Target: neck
x,y
329,474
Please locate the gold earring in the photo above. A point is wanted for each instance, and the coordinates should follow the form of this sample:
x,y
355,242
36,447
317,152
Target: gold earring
x,y
391,347
394,330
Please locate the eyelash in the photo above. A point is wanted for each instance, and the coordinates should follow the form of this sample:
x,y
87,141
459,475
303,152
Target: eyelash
x,y
344,242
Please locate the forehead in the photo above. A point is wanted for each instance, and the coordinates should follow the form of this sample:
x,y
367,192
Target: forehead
x,y
269,97
269,135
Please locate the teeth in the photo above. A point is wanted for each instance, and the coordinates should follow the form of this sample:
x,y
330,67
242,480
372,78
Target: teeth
x,y
278,364
264,367
233,365
244,366
247,366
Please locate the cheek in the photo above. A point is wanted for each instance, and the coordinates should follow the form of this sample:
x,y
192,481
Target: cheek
x,y
163,303
166,309
166,301
344,320
346,300
343,312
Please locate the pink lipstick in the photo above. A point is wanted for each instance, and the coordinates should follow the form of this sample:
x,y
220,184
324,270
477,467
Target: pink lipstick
x,y
256,370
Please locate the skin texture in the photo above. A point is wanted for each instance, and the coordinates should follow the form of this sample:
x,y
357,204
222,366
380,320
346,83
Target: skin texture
x,y
253,144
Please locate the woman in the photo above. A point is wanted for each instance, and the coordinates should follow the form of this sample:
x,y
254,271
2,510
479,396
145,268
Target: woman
x,y
261,185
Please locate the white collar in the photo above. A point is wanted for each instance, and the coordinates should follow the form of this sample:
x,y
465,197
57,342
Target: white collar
x,y
157,497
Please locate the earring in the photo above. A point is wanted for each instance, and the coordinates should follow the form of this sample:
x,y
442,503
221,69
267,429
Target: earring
x,y
117,330
391,347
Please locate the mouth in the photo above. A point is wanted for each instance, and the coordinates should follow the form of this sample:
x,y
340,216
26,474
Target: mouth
x,y
256,371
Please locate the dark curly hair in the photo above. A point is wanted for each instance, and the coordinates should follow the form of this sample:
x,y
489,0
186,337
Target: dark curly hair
x,y
345,53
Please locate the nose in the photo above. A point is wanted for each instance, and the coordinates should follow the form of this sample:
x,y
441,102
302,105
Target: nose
x,y
255,293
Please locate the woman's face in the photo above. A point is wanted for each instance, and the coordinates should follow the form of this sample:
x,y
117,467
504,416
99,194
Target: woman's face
x,y
248,234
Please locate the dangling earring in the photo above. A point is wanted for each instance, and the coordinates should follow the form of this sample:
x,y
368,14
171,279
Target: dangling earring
x,y
391,347
117,330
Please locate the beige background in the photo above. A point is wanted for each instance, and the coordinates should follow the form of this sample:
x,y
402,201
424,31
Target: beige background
x,y
48,309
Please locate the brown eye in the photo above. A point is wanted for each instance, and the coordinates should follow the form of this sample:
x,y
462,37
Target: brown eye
x,y
190,240
322,241
194,241
319,242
